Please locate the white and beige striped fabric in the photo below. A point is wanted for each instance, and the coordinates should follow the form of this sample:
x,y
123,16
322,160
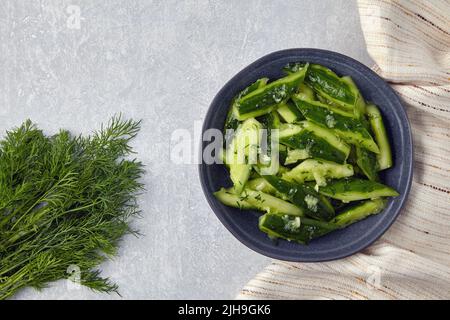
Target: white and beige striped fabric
x,y
410,42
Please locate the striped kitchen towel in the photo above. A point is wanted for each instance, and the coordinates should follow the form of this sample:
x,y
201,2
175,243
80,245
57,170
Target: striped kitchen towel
x,y
410,43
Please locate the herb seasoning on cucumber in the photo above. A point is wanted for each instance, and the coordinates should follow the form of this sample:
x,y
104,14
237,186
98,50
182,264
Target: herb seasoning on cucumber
x,y
331,145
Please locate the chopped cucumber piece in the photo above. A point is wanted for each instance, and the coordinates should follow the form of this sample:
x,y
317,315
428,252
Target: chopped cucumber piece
x,y
318,141
268,203
289,112
239,174
306,91
232,122
318,170
261,184
263,100
283,153
350,129
293,228
229,198
295,155
384,157
367,162
359,108
304,196
352,189
270,120
268,160
243,152
282,170
329,85
359,212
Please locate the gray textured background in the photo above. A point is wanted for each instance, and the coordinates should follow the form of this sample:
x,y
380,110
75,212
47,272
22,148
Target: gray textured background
x,y
162,61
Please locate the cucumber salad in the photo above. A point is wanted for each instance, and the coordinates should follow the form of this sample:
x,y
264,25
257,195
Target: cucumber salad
x,y
306,151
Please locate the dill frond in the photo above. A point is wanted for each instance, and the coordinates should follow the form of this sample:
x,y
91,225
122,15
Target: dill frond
x,y
64,201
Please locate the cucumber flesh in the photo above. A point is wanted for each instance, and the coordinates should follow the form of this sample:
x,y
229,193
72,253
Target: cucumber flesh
x,y
303,196
367,162
232,123
307,91
347,127
295,155
282,170
239,174
268,203
283,153
269,161
359,108
243,152
261,184
318,170
289,112
384,157
319,142
264,100
229,198
353,189
329,136
270,120
293,228
359,212
328,85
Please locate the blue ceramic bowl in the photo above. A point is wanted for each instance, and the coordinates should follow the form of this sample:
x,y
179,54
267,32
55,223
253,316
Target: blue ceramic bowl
x,y
342,243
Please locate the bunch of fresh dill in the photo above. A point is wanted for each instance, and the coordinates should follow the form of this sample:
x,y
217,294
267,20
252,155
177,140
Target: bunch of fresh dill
x,y
64,201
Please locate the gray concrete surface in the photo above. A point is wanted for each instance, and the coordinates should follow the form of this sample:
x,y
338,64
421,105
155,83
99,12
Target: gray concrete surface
x,y
162,61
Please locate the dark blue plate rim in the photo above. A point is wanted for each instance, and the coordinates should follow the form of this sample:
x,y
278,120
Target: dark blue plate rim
x,y
384,225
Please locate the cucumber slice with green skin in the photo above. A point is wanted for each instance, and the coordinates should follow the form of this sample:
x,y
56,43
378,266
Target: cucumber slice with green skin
x,y
331,104
282,154
329,85
303,230
359,212
384,157
348,128
243,152
268,160
263,100
269,122
352,189
318,170
360,105
289,112
268,203
353,161
307,91
257,200
295,155
293,228
367,162
229,198
261,184
239,174
304,196
231,122
320,142
282,170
